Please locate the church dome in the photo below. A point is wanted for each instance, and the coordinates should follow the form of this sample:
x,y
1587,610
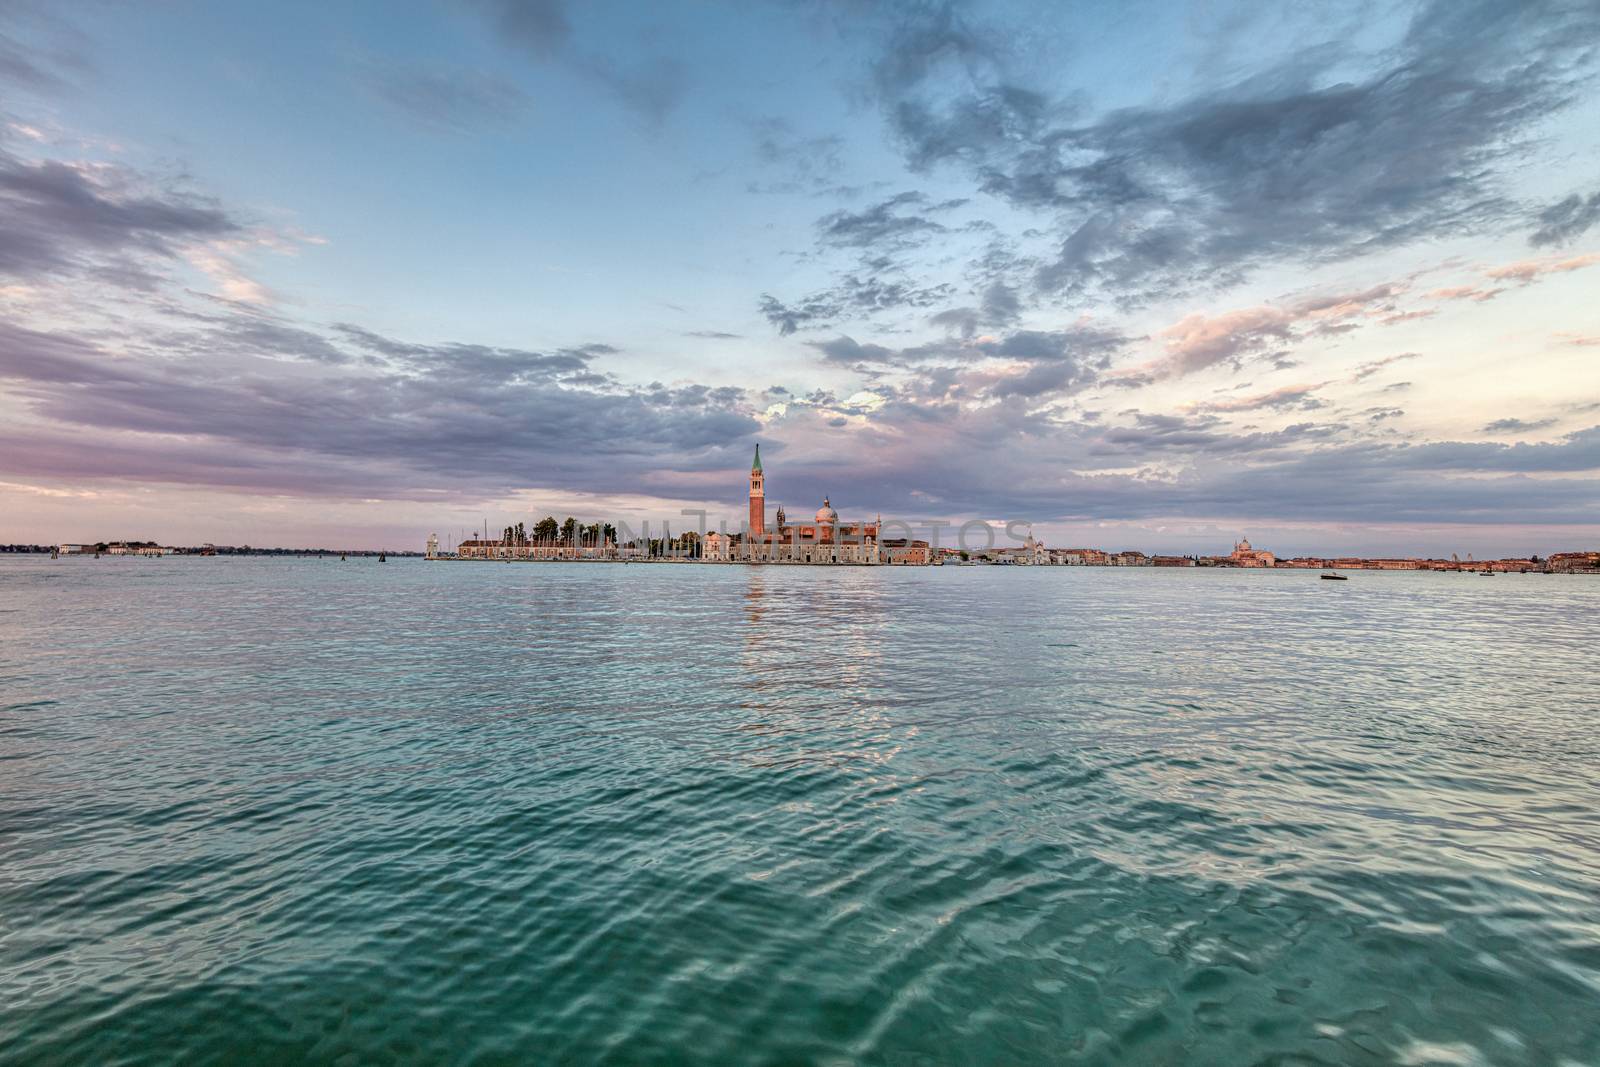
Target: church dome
x,y
826,514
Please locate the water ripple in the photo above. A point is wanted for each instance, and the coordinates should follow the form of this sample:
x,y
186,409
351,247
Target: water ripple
x,y
298,810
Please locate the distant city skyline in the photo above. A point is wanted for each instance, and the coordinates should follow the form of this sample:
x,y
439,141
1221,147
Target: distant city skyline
x,y
1149,276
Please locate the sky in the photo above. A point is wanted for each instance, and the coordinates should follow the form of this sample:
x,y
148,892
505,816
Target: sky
x,y
1143,275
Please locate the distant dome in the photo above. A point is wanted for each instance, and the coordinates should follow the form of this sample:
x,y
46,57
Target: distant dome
x,y
826,514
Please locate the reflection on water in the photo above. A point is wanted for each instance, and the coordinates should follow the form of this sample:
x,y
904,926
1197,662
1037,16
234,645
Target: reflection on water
x,y
291,810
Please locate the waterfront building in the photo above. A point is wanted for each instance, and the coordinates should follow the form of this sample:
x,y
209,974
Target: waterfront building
x,y
903,552
481,548
1171,561
1575,562
125,548
1246,556
433,546
825,540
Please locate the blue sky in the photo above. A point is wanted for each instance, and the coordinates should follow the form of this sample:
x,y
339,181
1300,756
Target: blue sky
x,y
1146,275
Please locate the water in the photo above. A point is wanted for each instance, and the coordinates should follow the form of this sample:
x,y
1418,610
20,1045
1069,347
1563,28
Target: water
x,y
311,811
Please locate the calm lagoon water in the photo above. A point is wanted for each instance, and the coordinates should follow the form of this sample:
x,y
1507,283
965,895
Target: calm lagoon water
x,y
311,811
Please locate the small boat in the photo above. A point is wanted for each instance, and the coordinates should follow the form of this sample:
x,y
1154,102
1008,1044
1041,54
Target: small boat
x,y
1486,574
1334,578
383,557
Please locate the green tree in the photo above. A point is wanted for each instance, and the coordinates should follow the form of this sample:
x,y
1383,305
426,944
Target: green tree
x,y
546,529
569,531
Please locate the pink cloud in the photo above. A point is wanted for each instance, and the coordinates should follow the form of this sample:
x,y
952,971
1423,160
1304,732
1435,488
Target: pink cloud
x,y
1367,370
1199,340
1465,292
1528,269
1407,316
1286,396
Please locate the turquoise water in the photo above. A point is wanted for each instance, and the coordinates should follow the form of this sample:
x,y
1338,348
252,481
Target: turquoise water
x,y
311,811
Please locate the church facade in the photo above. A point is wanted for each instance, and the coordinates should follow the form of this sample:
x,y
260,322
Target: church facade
x,y
825,539
1246,556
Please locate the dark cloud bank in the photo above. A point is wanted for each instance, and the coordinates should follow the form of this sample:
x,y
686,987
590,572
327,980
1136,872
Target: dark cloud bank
x,y
350,413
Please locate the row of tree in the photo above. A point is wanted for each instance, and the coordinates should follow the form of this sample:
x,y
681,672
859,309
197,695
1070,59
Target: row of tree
x,y
549,532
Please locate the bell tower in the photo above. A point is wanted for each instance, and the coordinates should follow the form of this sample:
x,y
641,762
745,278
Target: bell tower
x,y
758,497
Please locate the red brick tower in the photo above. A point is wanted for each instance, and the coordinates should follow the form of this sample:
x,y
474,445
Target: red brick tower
x,y
758,497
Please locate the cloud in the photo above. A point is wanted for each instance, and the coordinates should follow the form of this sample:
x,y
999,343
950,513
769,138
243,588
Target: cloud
x,y
882,226
848,350
481,363
53,358
650,85
50,58
1047,345
1371,367
216,260
539,27
853,296
1042,379
1566,220
60,218
252,403
1305,162
1026,364
999,307
1199,341
808,164
1200,434
1407,316
450,101
880,236
1295,164
954,405
1474,293
244,403
1284,397
1503,426
1527,270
